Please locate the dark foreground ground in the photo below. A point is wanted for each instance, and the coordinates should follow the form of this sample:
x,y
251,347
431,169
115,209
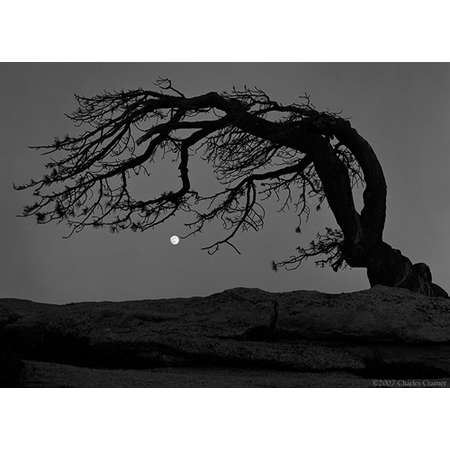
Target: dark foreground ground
x,y
380,337
44,374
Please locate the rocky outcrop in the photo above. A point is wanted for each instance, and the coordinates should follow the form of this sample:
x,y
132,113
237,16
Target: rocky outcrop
x,y
377,333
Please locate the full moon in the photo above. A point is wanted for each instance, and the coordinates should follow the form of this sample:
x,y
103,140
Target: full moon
x,y
174,240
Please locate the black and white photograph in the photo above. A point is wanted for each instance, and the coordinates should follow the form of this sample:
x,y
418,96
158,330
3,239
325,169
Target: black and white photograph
x,y
224,225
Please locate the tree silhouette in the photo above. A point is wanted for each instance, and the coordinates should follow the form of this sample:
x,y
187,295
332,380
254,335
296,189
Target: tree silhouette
x,y
258,148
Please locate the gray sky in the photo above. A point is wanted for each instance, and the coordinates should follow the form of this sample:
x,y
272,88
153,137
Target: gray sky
x,y
402,109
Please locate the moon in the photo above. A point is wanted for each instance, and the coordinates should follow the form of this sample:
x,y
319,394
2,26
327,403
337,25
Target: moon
x,y
174,240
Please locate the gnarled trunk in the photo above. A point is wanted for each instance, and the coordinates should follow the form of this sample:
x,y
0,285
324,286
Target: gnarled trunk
x,y
387,266
363,232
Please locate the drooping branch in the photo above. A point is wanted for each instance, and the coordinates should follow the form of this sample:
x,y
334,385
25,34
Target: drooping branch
x,y
327,247
227,205
89,184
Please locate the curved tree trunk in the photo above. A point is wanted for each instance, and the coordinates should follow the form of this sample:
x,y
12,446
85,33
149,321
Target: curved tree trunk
x,y
363,233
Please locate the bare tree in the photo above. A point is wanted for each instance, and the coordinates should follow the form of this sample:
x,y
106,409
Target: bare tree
x,y
258,149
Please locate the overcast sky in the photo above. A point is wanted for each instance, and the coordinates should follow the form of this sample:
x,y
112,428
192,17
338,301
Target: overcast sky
x,y
402,109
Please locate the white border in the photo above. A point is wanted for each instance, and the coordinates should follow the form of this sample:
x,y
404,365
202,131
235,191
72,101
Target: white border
x,y
235,30
223,419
